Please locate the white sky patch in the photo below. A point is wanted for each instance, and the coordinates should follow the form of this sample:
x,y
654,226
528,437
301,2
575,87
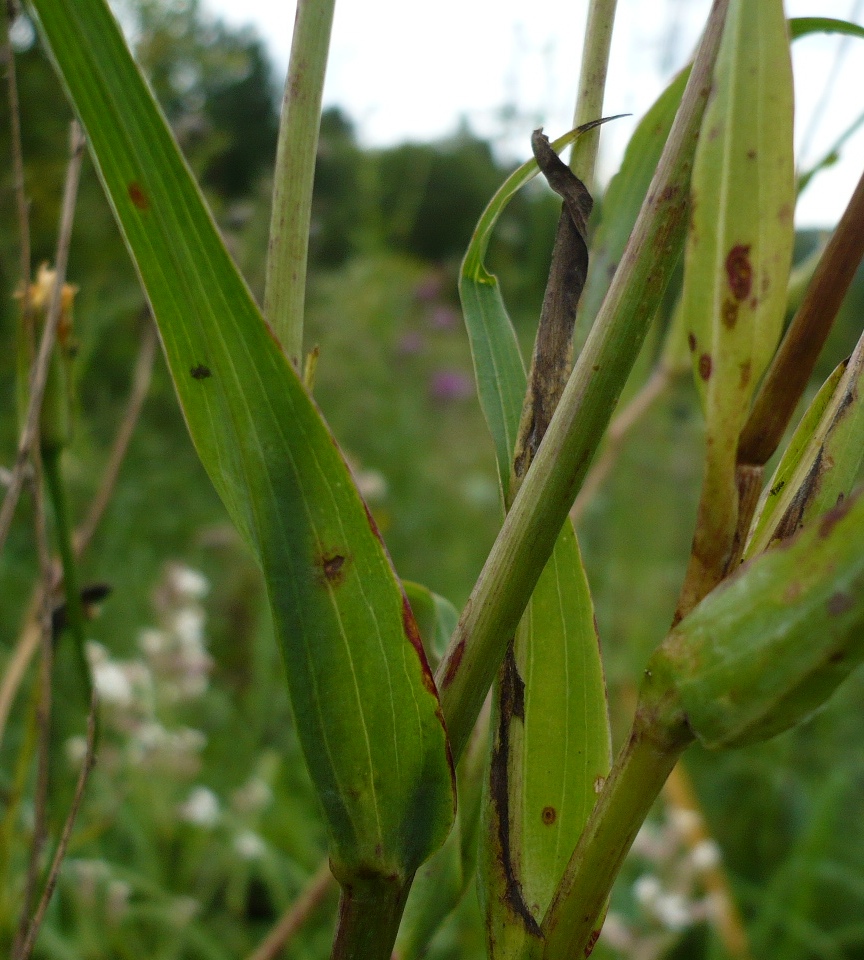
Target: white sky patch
x,y
415,72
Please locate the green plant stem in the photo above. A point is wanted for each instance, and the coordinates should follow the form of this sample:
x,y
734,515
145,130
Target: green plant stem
x,y
530,529
659,736
63,529
285,281
592,86
370,910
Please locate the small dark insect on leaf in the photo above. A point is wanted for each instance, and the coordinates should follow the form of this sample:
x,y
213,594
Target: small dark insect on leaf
x,y
200,372
91,595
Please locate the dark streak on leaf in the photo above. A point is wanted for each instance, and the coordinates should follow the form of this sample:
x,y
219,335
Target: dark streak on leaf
x,y
511,706
200,372
592,940
409,622
791,520
705,366
453,664
550,364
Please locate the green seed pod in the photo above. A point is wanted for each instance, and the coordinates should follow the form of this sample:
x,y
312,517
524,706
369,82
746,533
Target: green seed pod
x,y
766,649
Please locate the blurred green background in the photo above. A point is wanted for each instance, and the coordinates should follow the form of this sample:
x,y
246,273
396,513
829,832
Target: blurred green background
x,y
199,826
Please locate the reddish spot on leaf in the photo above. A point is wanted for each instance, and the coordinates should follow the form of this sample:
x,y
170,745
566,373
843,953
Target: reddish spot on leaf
x,y
138,196
729,313
691,341
840,603
705,366
373,526
592,940
739,271
549,815
409,624
200,372
453,664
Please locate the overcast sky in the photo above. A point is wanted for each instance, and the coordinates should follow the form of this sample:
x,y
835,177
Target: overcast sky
x,y
407,70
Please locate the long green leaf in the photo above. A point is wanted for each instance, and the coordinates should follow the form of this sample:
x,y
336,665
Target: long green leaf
x,y
551,732
366,707
803,26
739,250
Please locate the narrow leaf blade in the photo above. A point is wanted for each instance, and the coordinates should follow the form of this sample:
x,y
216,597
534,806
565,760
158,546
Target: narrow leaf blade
x,y
823,458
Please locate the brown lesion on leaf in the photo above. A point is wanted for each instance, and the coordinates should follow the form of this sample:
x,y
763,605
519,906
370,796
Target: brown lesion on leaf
x,y
746,372
705,366
511,706
691,341
739,271
200,372
549,816
138,197
729,313
332,567
453,663
592,941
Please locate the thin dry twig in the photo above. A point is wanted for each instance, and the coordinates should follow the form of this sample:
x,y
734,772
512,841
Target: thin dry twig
x,y
54,873
320,884
28,640
137,394
10,13
40,830
39,374
681,795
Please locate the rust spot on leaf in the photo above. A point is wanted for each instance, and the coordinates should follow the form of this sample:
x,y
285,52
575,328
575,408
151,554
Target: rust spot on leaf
x,y
751,154
332,566
138,196
200,372
705,366
840,603
691,342
549,815
746,371
592,940
453,664
739,271
729,313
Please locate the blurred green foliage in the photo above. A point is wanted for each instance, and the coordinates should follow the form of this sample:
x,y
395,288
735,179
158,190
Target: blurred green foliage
x,y
144,877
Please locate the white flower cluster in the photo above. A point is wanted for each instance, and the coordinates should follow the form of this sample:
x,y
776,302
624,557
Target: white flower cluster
x,y
670,894
173,667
